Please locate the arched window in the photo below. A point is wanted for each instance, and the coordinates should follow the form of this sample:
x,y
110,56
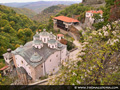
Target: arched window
x,y
22,62
44,39
52,46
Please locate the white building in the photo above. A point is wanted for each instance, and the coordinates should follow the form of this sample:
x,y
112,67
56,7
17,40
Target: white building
x,y
89,14
39,57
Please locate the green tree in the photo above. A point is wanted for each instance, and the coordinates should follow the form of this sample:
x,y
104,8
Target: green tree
x,y
25,35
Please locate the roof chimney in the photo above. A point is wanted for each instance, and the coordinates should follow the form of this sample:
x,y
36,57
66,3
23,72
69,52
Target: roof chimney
x,y
9,50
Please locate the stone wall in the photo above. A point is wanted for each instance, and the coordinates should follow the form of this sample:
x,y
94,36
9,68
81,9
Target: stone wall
x,y
75,32
62,31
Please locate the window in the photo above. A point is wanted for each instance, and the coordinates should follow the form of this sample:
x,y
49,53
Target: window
x,y
53,69
39,77
44,40
42,66
52,46
50,60
22,62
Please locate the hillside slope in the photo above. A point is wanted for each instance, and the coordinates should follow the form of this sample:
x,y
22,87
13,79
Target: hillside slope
x,y
15,29
25,11
98,61
40,5
44,16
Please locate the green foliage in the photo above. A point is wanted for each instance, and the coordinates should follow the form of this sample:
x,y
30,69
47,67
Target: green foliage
x,y
10,23
24,11
107,14
25,35
44,16
75,9
81,37
98,61
70,45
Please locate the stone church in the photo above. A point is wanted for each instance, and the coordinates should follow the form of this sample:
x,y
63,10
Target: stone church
x,y
40,57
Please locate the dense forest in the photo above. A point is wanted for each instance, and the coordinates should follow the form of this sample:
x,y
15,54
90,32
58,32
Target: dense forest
x,y
15,29
98,62
44,16
24,11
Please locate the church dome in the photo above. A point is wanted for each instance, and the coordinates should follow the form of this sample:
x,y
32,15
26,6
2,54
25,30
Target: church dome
x,y
36,36
35,58
44,33
52,36
38,42
52,41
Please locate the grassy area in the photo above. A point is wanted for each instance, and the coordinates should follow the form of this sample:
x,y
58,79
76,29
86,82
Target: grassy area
x,y
2,63
6,80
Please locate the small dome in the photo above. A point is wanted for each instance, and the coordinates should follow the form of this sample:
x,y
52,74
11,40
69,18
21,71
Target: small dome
x,y
44,33
37,42
36,35
35,58
52,36
52,41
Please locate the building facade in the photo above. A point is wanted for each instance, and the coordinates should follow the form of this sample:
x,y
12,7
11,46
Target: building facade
x,y
39,57
64,23
90,14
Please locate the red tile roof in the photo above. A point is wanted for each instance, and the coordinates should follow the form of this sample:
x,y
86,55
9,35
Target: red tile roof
x,y
66,19
3,68
93,11
60,35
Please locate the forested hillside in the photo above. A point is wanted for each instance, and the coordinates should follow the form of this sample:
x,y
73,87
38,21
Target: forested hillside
x,y
39,5
44,16
15,29
98,62
25,11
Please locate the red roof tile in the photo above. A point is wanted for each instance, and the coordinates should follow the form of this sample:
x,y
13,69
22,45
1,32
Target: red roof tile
x,y
66,19
60,35
93,11
3,68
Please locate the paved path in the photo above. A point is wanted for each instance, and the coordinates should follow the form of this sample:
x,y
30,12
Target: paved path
x,y
73,55
78,27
